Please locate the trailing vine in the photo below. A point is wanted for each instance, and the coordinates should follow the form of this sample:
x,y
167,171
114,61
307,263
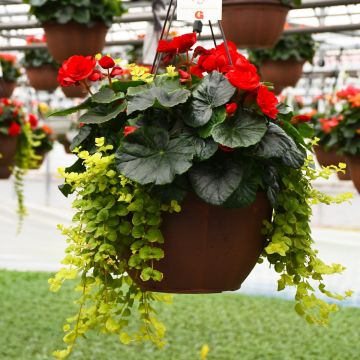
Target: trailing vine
x,y
116,232
290,248
25,159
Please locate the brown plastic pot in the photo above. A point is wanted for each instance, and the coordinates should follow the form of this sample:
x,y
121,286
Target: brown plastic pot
x,y
6,88
254,23
65,40
74,91
42,78
354,165
282,73
327,158
7,158
209,249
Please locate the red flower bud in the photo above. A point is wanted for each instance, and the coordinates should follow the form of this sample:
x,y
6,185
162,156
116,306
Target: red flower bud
x,y
6,101
33,120
81,124
226,148
184,75
106,62
117,71
231,108
95,76
129,129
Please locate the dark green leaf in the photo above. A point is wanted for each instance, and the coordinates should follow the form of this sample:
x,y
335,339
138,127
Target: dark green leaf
x,y
167,93
149,156
83,134
99,115
215,180
218,117
213,91
243,129
71,110
66,189
107,96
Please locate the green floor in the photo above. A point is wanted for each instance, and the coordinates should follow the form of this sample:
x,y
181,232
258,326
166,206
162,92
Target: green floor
x,y
235,327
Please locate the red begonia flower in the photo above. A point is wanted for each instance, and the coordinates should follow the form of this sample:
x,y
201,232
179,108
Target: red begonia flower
x,y
75,69
33,120
14,129
178,44
267,102
96,75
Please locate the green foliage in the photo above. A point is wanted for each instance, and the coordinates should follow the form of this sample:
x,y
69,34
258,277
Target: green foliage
x,y
299,47
115,237
37,58
25,159
11,71
81,11
290,247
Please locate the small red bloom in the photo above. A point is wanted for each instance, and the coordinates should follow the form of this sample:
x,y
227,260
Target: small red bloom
x,y
14,129
47,129
15,112
226,148
33,120
6,101
184,76
300,119
81,124
106,62
117,71
328,125
95,76
231,108
129,129
75,69
178,44
267,102
348,92
244,79
197,71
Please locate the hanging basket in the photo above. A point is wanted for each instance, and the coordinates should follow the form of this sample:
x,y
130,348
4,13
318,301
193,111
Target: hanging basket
x,y
7,155
74,91
254,23
354,166
65,40
6,88
42,78
209,249
282,73
328,158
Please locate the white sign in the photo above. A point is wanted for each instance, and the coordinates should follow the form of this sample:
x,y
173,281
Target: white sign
x,y
204,10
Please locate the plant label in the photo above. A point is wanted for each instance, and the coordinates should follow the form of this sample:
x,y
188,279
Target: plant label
x,y
203,10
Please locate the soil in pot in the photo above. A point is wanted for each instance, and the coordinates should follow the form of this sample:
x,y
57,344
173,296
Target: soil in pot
x,y
354,165
254,23
65,40
6,88
7,152
42,78
327,158
209,249
74,91
282,73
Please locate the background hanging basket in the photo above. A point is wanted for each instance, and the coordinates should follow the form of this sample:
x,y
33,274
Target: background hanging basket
x,y
210,249
74,91
7,158
282,73
254,23
327,158
42,78
354,166
65,40
6,88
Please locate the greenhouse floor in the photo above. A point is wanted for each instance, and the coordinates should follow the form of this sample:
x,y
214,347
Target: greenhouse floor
x,y
40,246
